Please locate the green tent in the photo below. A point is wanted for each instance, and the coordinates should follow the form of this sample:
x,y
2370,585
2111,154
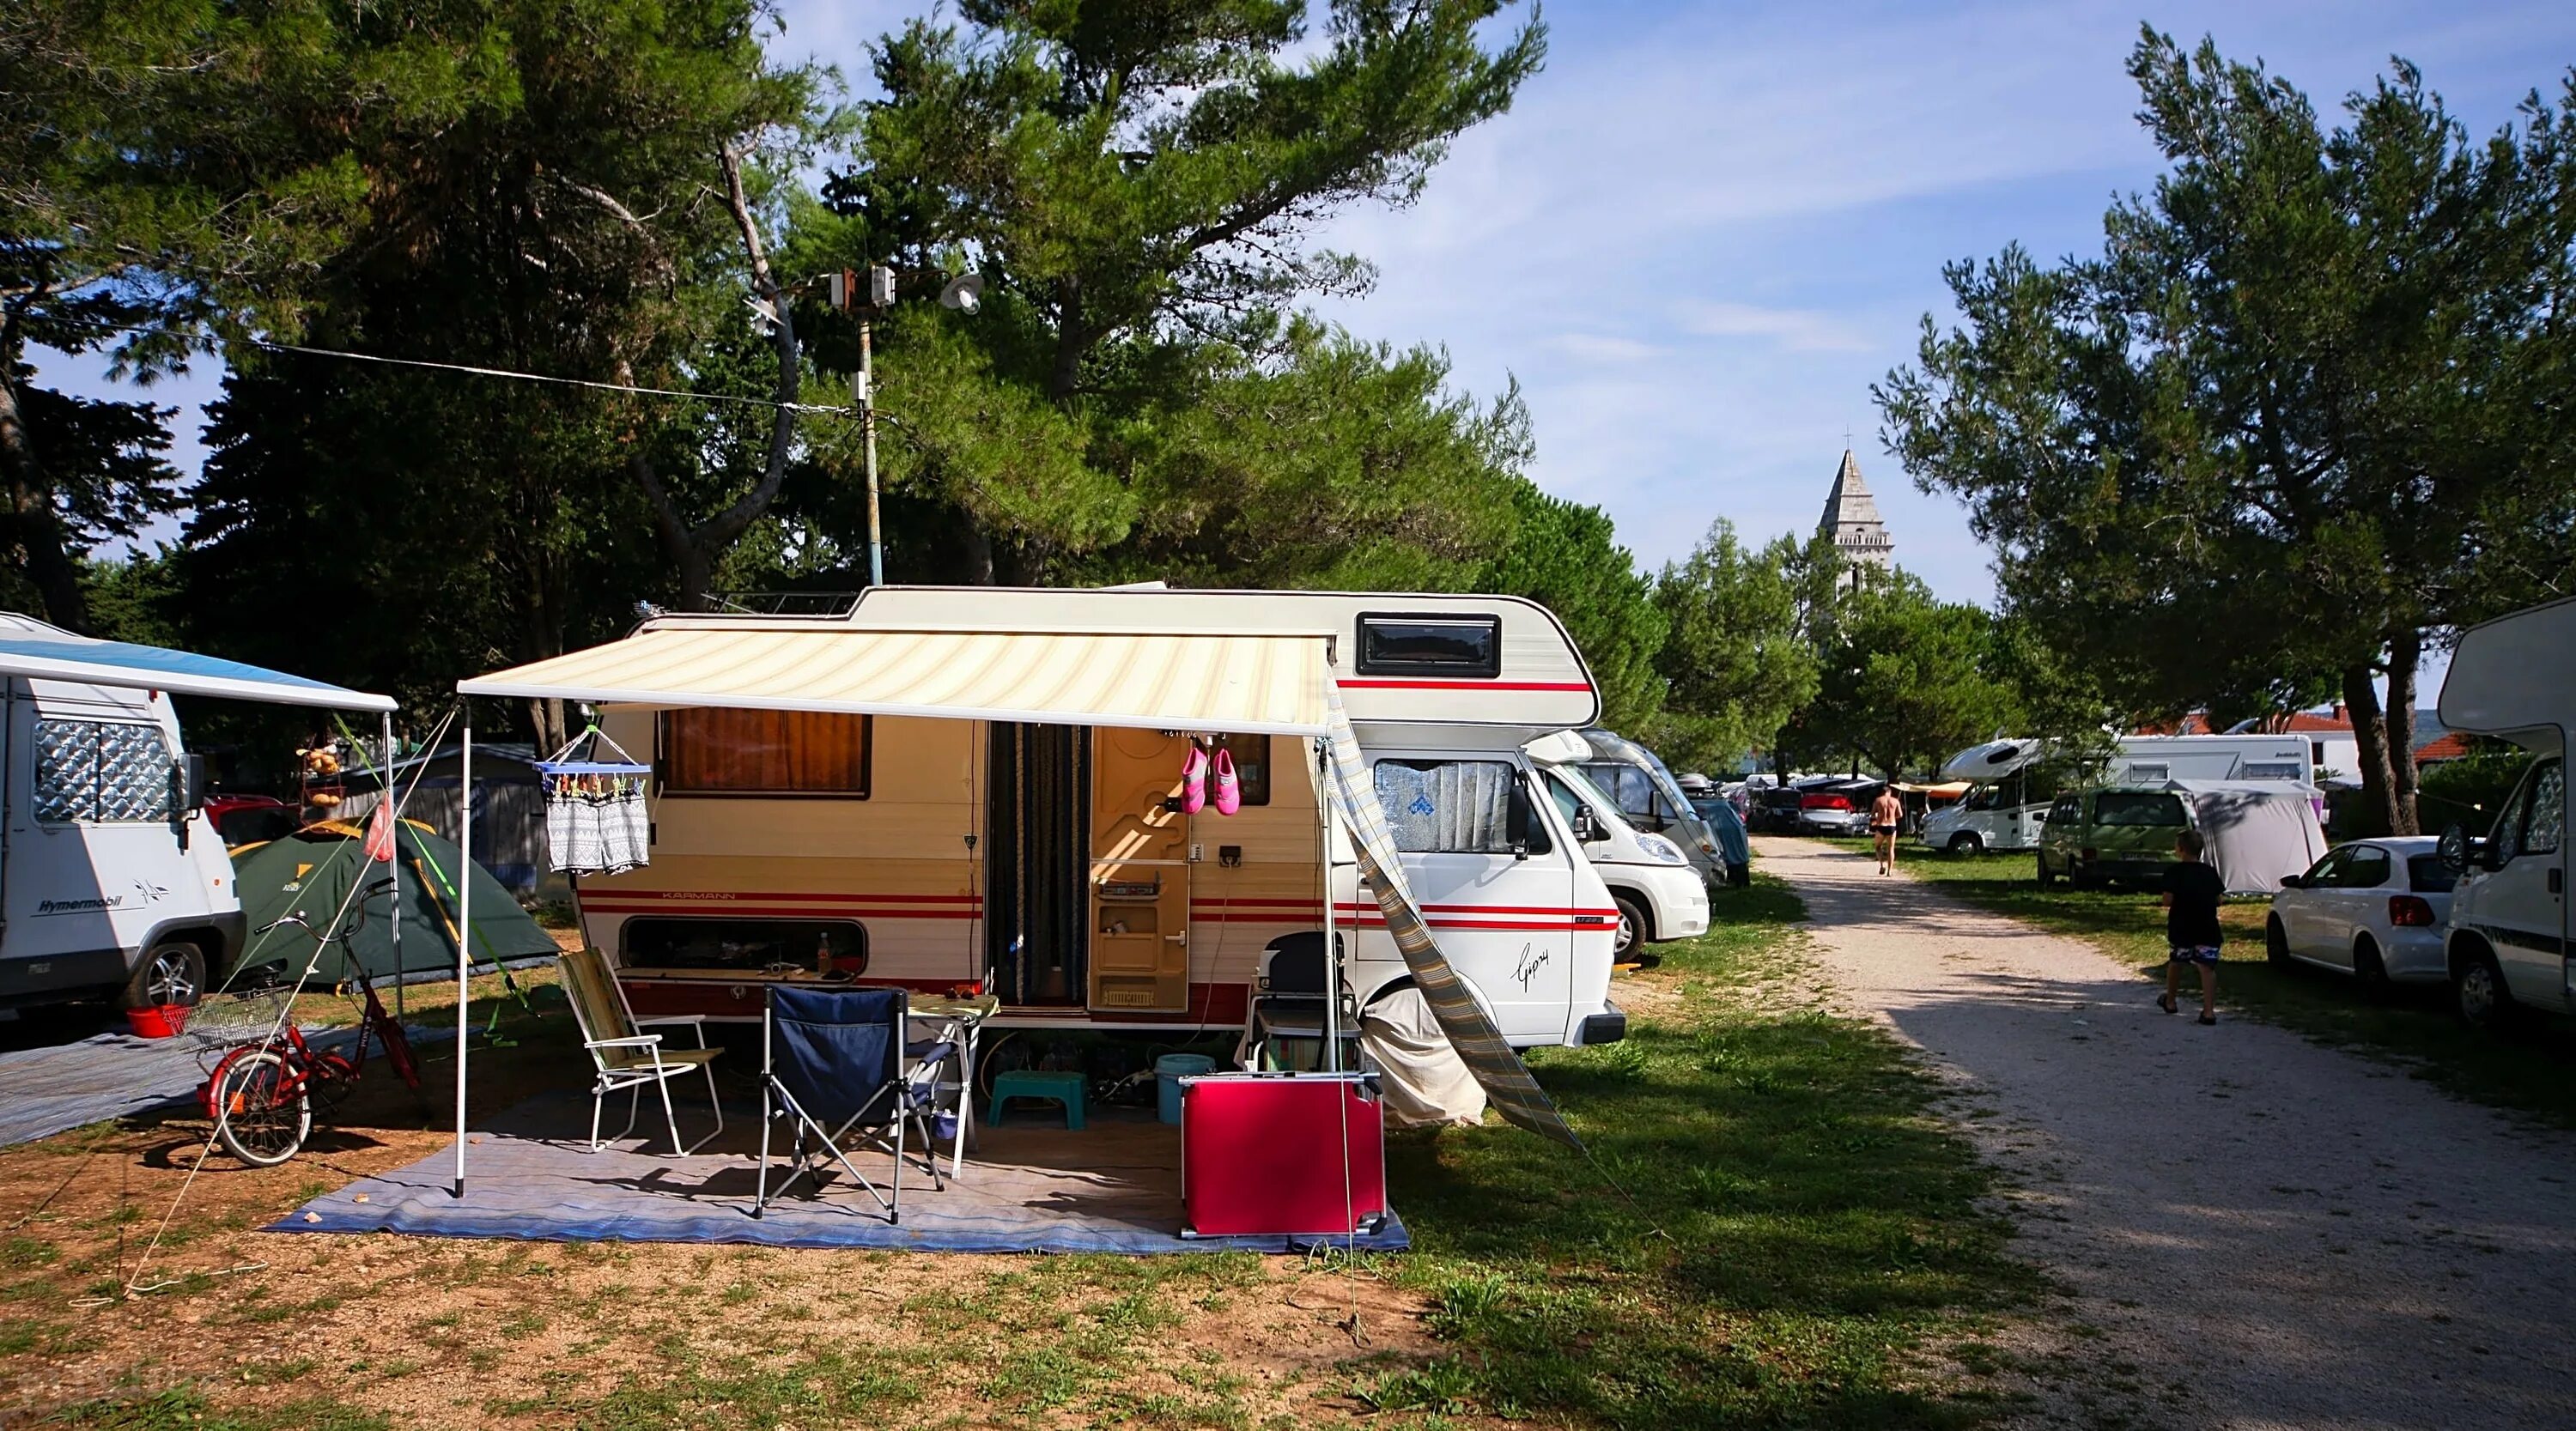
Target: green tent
x,y
308,874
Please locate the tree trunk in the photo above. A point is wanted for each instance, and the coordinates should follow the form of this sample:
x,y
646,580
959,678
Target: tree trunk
x,y
36,526
2370,743
2405,655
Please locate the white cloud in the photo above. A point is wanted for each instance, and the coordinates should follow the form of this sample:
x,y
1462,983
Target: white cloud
x,y
1800,330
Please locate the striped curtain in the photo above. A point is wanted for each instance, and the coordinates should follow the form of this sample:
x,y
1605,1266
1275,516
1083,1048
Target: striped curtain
x,y
1491,1060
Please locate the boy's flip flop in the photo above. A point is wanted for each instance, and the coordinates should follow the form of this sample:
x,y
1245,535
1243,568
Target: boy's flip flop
x,y
2209,1018
2166,1003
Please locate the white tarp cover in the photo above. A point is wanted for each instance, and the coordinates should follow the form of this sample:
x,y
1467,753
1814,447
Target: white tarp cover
x,y
2257,831
1427,1084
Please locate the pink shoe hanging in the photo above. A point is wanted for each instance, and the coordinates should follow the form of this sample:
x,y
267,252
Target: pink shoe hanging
x,y
1194,773
1229,790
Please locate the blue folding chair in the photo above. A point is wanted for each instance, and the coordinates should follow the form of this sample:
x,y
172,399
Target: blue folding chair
x,y
833,1060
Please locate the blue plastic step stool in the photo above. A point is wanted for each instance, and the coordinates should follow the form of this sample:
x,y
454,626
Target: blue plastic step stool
x,y
1063,1088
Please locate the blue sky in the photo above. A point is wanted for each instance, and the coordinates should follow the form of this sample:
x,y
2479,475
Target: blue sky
x,y
1705,230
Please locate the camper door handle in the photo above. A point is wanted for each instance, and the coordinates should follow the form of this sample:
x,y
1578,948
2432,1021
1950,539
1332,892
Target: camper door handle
x,y
2557,881
1177,937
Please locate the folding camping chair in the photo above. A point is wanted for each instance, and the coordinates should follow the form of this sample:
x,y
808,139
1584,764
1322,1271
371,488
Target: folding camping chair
x,y
625,1057
1284,1029
833,1060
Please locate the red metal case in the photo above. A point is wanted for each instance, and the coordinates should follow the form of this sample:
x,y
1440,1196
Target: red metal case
x,y
1266,1154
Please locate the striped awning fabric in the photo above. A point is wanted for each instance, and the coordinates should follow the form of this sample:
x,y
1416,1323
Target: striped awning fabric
x,y
1507,1083
1251,683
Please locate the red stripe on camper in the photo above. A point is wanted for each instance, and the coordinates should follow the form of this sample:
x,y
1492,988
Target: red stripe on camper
x,y
1384,685
703,896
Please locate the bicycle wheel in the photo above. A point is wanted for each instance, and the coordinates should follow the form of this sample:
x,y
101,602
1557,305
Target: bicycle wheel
x,y
261,1113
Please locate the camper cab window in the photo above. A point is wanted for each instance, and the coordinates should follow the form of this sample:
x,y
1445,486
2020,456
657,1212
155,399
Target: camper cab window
x,y
1462,807
1464,647
102,772
746,752
654,942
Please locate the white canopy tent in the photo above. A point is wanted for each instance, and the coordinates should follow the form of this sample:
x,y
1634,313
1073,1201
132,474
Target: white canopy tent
x,y
2257,831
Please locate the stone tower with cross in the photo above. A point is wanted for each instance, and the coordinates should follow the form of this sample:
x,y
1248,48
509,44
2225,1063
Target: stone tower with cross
x,y
1852,520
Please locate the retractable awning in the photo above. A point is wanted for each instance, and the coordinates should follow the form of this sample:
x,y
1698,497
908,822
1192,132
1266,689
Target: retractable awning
x,y
36,651
1254,683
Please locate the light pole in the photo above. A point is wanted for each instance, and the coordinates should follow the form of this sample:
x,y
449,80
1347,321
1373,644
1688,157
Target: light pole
x,y
964,294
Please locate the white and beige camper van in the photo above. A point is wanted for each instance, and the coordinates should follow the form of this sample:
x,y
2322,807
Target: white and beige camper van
x,y
945,788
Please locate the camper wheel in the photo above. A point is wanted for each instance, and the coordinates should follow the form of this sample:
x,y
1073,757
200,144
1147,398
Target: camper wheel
x,y
2478,990
1967,842
1634,927
170,972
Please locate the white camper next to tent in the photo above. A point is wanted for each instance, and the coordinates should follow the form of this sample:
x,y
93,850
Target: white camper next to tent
x,y
952,788
2508,944
112,880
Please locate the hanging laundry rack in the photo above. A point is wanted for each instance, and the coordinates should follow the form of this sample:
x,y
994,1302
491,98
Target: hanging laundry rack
x,y
597,821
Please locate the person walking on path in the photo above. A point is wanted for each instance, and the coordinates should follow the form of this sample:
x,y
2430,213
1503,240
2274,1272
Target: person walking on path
x,y
1884,813
2192,934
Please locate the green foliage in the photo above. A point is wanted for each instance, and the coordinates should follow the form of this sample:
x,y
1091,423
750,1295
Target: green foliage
x,y
1907,680
1566,557
2470,790
2292,420
1741,655
1141,182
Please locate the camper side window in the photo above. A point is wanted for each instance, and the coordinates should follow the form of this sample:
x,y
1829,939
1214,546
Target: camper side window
x,y
101,772
1251,765
745,752
1447,806
1469,646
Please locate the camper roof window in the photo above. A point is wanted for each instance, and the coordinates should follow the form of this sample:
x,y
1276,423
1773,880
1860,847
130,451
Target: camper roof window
x,y
1455,646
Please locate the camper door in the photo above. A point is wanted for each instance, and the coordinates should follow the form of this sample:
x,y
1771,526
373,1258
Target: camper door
x,y
1493,880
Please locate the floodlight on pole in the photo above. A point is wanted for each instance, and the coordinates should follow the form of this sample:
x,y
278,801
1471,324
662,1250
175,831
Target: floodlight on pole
x,y
964,293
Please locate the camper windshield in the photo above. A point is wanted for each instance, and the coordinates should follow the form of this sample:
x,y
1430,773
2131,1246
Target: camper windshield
x,y
2138,809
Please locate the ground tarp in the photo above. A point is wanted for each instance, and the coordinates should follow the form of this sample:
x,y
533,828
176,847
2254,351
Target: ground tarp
x,y
2257,831
308,874
1112,1187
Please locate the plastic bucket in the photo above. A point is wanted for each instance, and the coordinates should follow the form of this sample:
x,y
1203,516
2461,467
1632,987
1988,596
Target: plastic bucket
x,y
1169,1070
158,1020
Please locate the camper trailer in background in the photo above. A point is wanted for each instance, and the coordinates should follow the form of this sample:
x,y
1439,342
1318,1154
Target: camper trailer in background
x,y
113,881
2012,782
1054,864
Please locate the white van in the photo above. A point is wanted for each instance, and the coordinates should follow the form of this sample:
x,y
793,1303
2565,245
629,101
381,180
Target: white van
x,y
113,883
1661,894
2507,944
945,788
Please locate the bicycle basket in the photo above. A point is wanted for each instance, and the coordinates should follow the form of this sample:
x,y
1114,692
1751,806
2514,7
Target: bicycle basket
x,y
221,1020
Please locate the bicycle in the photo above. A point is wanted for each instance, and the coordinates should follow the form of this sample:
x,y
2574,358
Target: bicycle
x,y
262,1095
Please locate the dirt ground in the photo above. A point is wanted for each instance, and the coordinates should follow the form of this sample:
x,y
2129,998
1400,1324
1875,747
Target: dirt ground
x,y
2252,1230
454,1333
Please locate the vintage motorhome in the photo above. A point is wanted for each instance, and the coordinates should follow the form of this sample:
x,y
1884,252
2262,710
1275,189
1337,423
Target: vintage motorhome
x,y
950,787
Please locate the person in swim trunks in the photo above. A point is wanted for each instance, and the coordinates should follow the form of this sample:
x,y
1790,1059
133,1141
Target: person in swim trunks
x,y
2192,932
1884,813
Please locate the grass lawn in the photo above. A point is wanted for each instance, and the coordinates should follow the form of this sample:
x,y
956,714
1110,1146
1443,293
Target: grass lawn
x,y
2531,1070
1806,1248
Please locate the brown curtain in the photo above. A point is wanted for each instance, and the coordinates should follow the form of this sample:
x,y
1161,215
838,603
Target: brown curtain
x,y
765,753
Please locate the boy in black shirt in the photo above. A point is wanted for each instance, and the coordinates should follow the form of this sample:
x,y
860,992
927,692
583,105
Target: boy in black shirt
x,y
2192,892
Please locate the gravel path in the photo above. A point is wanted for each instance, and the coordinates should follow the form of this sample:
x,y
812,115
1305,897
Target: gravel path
x,y
2277,1234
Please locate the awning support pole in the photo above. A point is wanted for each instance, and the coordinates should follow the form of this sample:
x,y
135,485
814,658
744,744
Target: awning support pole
x,y
1332,949
464,924
393,839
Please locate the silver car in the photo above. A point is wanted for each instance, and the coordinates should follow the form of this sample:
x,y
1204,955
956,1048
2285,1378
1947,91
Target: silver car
x,y
2375,909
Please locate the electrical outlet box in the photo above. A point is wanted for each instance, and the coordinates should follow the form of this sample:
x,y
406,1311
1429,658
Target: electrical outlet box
x,y
1198,852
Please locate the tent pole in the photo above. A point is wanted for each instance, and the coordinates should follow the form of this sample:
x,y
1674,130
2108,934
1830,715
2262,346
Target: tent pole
x,y
393,839
464,924
1332,950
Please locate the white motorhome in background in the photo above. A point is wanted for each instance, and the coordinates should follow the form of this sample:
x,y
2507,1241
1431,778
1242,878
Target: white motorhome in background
x,y
2012,784
2508,943
941,787
112,879
1662,895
